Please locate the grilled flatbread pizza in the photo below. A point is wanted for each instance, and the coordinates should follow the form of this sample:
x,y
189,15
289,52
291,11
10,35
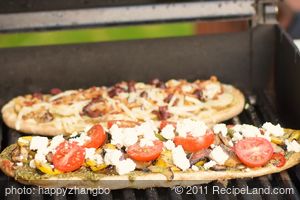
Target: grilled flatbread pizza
x,y
72,110
124,154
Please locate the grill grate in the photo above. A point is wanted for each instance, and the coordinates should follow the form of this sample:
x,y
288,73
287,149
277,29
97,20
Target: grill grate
x,y
259,108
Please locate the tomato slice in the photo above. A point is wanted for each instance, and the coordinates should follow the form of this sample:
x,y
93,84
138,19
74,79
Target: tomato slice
x,y
278,159
97,135
147,153
122,123
254,151
68,157
165,123
194,144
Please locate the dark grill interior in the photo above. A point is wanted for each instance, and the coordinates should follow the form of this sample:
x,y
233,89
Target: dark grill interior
x,y
259,109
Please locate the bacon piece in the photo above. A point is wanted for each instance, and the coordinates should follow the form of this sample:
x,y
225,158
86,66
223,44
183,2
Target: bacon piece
x,y
95,108
131,86
37,95
158,83
55,91
162,113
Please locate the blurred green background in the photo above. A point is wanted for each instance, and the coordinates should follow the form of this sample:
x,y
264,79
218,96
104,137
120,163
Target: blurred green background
x,y
72,36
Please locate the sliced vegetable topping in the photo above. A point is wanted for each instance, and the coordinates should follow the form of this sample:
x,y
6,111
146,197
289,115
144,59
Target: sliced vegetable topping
x,y
68,157
194,144
254,151
146,153
97,135
278,159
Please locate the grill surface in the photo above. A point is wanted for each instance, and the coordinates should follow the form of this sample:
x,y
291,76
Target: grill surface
x,y
259,108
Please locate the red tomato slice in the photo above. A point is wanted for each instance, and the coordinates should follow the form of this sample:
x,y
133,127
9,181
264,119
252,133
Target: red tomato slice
x,y
68,157
254,151
147,153
122,123
165,123
194,144
97,135
279,159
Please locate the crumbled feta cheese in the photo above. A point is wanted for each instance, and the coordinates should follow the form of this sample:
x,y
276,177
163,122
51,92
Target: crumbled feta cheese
x,y
19,164
146,143
212,146
179,158
219,155
123,136
82,139
129,136
271,129
57,140
195,168
125,166
90,153
209,164
292,146
169,145
32,164
230,143
148,130
112,156
237,136
168,132
188,126
220,128
211,90
250,131
40,157
246,130
38,143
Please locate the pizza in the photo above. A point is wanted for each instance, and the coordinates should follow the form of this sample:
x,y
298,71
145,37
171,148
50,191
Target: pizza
x,y
130,154
72,110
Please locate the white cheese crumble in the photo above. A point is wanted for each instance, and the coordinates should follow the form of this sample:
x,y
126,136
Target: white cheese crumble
x,y
209,164
246,130
125,166
148,130
32,164
195,168
123,136
168,132
292,146
112,156
39,143
55,142
271,129
90,153
40,157
220,128
82,139
193,127
219,155
146,143
180,159
169,145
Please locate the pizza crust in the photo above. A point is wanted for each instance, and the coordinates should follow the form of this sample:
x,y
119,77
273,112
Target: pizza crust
x,y
150,179
51,129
